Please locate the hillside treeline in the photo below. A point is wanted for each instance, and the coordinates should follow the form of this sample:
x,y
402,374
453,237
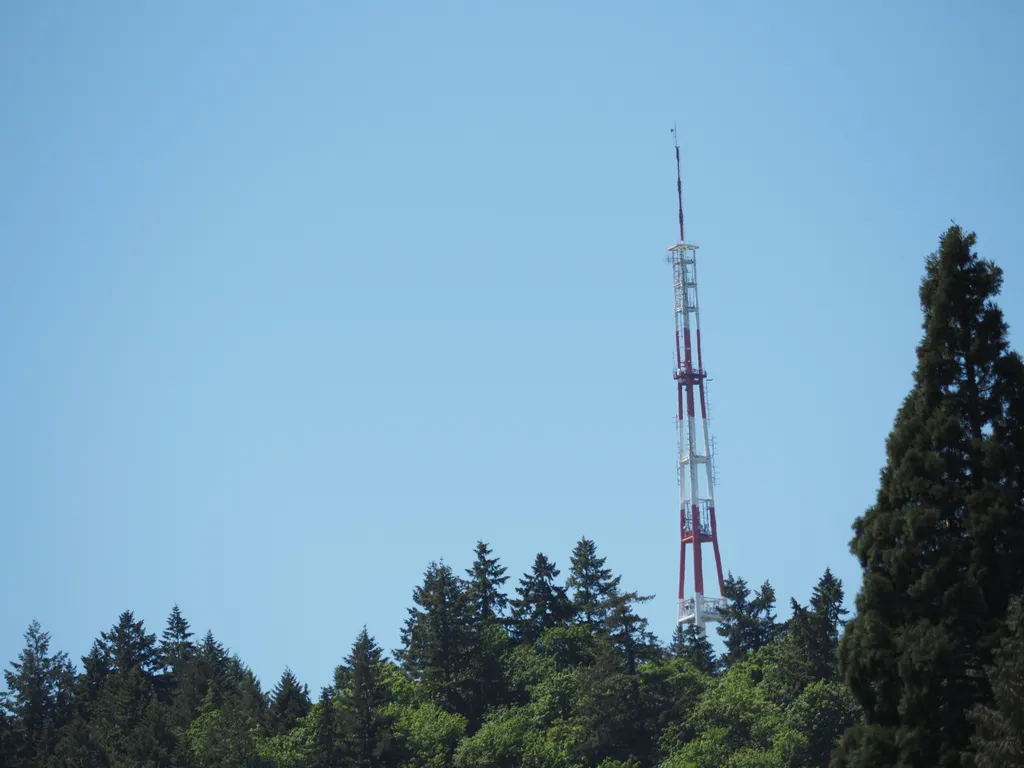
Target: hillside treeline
x,y
553,672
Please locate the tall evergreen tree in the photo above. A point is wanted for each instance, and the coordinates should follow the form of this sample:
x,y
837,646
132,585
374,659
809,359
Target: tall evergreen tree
x,y
176,646
815,629
999,735
628,631
213,667
7,747
486,579
942,549
289,703
365,702
180,686
39,690
690,642
437,639
748,623
326,749
130,722
541,603
490,638
592,585
764,619
80,742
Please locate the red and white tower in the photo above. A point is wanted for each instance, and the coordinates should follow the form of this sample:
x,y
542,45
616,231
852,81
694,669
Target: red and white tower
x,y
696,477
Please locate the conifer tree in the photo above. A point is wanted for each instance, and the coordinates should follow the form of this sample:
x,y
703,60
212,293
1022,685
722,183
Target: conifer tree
x,y
765,625
213,666
677,645
748,624
38,699
486,579
369,724
131,726
999,735
176,646
490,639
180,686
815,629
592,584
7,747
326,749
79,742
691,643
289,703
541,603
437,639
735,627
628,631
942,548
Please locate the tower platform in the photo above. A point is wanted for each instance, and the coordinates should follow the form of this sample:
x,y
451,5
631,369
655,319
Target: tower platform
x,y
706,609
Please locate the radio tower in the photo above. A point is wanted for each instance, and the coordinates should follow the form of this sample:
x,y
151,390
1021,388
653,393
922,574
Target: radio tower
x,y
696,506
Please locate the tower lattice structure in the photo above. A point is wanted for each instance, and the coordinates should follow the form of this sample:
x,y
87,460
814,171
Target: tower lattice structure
x,y
696,475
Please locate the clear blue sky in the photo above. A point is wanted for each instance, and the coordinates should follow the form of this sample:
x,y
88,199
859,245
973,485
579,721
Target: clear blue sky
x,y
294,303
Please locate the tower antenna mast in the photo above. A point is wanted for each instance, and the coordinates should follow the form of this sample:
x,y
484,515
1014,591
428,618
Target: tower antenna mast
x,y
697,521
679,186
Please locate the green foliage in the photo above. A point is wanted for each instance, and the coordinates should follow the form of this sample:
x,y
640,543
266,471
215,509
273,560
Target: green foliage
x,y
999,738
486,581
816,629
541,603
942,548
691,643
431,735
592,585
465,693
289,703
500,741
816,720
437,640
225,737
367,718
748,623
38,699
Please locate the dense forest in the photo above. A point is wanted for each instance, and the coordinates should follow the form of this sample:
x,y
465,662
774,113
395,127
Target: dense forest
x,y
546,671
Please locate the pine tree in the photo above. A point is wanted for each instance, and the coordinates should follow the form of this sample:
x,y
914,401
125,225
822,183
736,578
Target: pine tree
x,y
628,631
289,703
592,584
486,578
691,643
80,742
212,667
487,688
326,748
364,701
735,626
176,646
765,625
180,686
39,690
942,548
815,629
999,735
541,603
748,624
7,745
437,639
129,724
